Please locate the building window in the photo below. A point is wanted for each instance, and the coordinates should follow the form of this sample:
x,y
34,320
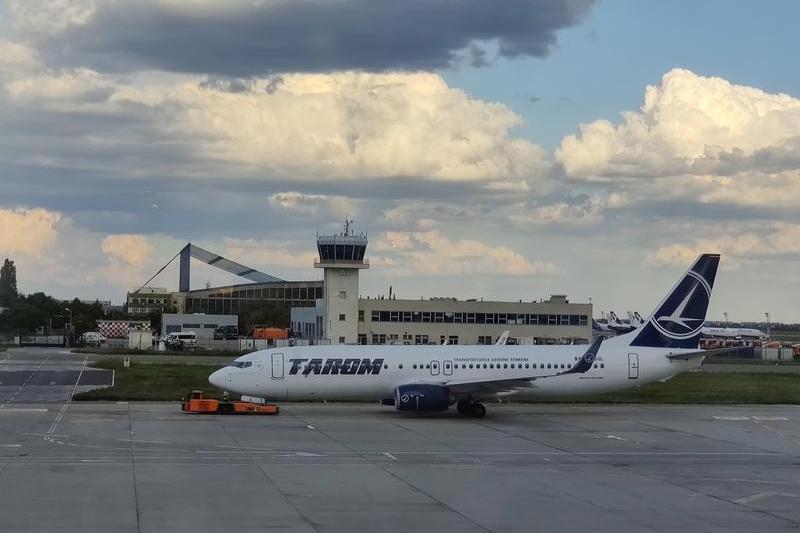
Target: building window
x,y
341,340
361,316
343,294
362,338
342,317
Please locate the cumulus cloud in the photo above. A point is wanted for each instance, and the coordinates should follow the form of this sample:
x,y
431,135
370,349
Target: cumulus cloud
x,y
343,125
130,250
28,231
774,240
16,55
268,254
688,124
584,211
431,252
298,203
250,38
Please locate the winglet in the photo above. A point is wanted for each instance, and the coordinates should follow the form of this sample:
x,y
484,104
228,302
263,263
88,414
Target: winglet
x,y
503,339
586,361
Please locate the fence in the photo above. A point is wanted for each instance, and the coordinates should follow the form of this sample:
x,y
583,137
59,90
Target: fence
x,y
216,345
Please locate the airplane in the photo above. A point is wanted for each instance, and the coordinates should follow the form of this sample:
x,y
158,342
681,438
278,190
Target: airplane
x,y
432,378
635,319
618,326
733,333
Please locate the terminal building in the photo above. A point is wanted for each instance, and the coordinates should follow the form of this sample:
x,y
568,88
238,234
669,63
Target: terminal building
x,y
332,308
344,318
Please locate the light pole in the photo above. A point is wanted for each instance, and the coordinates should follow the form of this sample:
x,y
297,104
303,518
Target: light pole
x,y
768,332
68,330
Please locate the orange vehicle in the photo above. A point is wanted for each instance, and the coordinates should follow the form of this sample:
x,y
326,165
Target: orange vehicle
x,y
270,333
196,402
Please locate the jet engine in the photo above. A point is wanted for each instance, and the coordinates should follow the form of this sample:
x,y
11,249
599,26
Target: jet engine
x,y
422,397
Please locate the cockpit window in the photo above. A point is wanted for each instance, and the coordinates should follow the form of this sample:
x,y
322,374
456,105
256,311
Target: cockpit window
x,y
242,364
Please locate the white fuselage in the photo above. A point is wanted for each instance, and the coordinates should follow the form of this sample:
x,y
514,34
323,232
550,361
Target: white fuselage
x,y
734,333
348,372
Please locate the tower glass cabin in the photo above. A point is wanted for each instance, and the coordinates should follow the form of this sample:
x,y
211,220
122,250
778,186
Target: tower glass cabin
x,y
341,257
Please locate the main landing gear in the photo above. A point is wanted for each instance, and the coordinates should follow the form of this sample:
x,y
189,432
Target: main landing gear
x,y
469,408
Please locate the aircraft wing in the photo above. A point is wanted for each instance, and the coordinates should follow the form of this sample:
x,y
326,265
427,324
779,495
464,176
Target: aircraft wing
x,y
701,353
491,386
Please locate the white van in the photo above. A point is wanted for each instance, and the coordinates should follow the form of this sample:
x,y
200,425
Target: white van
x,y
182,339
92,338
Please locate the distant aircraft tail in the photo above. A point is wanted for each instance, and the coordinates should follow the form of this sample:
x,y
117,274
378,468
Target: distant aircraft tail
x,y
679,318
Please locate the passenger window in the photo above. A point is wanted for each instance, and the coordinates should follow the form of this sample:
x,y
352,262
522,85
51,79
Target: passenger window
x,y
526,365
548,365
506,366
602,365
470,366
400,367
484,365
414,367
385,367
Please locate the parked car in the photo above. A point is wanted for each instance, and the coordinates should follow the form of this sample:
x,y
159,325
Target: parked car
x,y
92,338
182,340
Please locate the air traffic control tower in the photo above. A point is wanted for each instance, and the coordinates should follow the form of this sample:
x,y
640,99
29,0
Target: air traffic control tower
x,y
341,257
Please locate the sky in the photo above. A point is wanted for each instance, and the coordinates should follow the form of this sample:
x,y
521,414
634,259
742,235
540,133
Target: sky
x,y
505,150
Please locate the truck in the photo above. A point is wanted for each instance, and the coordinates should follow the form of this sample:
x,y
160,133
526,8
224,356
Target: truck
x,y
270,333
197,402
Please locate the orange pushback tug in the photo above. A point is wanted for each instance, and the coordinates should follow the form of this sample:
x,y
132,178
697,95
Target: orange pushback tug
x,y
198,403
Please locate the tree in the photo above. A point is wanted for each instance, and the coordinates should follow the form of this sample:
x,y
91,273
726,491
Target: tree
x,y
8,283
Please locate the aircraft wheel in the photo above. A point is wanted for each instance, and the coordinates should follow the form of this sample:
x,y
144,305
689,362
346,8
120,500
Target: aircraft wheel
x,y
478,410
464,407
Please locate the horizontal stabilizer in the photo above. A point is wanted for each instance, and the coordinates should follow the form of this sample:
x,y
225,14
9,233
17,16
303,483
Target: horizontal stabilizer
x,y
702,353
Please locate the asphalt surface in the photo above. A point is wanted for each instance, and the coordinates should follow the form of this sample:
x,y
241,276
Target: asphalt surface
x,y
82,467
46,375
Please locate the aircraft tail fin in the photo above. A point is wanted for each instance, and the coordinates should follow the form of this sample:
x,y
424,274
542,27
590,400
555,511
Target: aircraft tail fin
x,y
679,318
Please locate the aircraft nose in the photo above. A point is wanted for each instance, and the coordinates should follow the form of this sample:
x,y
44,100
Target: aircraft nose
x,y
218,378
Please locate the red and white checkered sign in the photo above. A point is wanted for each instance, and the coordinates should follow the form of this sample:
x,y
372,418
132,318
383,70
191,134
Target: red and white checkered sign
x,y
118,329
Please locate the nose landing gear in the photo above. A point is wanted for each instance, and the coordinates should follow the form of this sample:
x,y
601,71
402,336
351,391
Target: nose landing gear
x,y
469,408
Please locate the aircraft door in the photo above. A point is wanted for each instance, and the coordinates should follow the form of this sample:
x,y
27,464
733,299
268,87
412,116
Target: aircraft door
x,y
434,368
277,366
633,366
447,369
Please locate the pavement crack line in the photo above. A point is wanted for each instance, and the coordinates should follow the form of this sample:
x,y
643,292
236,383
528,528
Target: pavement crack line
x,y
269,480
50,432
655,478
396,476
133,471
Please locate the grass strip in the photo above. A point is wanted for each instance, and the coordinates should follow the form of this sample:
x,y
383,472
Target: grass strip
x,y
152,382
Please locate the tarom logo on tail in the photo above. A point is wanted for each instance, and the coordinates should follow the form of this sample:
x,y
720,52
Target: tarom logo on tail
x,y
678,320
